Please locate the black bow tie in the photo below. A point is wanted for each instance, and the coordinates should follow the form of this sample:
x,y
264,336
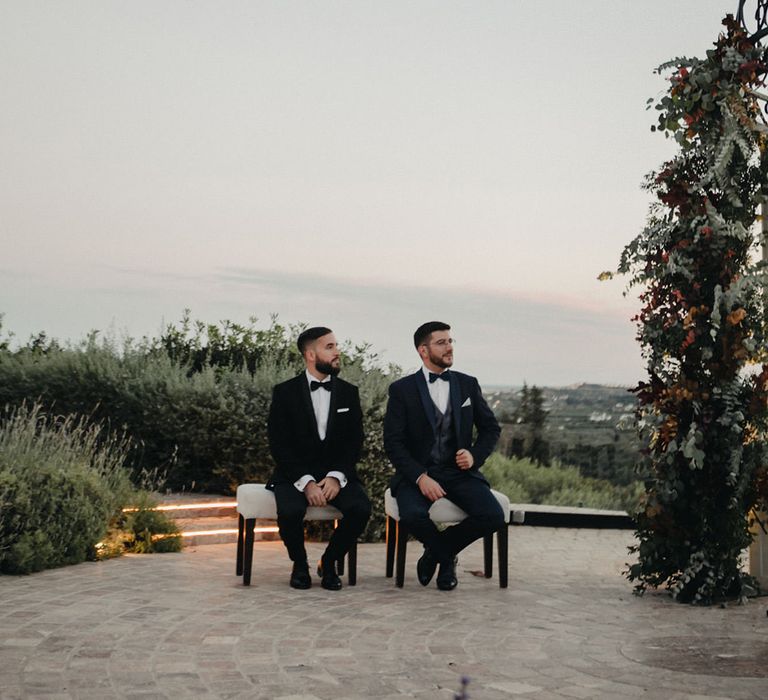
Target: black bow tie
x,y
434,377
316,385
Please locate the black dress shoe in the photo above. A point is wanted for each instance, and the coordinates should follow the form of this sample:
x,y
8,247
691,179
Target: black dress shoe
x,y
425,568
300,577
329,579
446,577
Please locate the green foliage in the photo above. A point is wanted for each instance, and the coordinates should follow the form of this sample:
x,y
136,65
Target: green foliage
x,y
206,429
588,426
150,530
197,345
194,401
530,417
702,417
61,481
525,481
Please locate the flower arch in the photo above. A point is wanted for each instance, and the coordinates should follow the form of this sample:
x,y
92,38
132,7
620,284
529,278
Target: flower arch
x,y
703,410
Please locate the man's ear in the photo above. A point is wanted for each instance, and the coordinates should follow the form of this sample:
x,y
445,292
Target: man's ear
x,y
422,352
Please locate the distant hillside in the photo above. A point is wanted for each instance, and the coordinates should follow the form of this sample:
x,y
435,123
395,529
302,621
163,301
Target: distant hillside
x,y
589,425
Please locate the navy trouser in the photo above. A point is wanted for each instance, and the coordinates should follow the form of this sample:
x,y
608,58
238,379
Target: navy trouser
x,y
469,493
292,504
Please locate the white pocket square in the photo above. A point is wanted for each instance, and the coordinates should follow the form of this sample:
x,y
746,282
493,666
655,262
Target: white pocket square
x,y
466,403
341,410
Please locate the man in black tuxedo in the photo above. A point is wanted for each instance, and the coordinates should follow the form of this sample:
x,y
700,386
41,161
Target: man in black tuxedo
x,y
428,438
315,436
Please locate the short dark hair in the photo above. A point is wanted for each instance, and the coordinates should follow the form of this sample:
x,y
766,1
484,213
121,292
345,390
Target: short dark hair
x,y
425,330
307,336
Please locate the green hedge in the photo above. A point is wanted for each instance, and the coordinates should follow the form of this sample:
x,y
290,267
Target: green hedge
x,y
194,401
557,485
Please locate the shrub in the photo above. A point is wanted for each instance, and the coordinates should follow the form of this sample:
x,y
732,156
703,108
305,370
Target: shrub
x,y
61,481
703,407
523,481
194,401
149,530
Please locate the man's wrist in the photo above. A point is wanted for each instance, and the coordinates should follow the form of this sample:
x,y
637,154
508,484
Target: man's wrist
x,y
339,476
301,484
420,477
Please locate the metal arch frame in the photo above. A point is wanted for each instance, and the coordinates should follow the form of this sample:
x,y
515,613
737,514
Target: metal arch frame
x,y
760,18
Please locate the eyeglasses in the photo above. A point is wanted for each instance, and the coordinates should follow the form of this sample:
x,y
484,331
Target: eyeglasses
x,y
443,342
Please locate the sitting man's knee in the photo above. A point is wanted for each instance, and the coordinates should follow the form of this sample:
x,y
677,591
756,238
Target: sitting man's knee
x,y
492,521
414,519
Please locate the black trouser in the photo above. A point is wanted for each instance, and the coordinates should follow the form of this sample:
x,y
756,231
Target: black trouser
x,y
292,505
469,493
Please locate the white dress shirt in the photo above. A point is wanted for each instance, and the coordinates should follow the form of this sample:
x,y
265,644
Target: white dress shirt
x,y
439,390
321,404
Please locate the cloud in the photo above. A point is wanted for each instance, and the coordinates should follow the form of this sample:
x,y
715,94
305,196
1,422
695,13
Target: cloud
x,y
505,337
501,338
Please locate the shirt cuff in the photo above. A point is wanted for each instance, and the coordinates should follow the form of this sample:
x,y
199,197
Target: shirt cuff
x,y
340,476
301,484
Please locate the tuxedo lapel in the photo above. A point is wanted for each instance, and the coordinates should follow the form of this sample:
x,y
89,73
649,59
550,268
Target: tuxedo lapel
x,y
306,401
455,403
426,399
332,408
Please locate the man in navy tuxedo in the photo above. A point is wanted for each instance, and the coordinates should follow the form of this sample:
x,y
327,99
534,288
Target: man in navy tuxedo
x,y
315,435
428,438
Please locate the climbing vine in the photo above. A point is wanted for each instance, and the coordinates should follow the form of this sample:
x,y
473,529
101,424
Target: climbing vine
x,y
703,409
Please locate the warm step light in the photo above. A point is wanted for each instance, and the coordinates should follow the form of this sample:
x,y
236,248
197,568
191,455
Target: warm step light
x,y
204,533
189,506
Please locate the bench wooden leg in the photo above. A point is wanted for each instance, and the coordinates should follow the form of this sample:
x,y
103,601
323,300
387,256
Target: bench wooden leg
x,y
240,535
352,565
502,539
248,553
488,555
391,540
402,542
340,562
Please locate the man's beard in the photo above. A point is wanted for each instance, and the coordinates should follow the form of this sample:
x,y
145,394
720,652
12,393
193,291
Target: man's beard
x,y
438,360
328,368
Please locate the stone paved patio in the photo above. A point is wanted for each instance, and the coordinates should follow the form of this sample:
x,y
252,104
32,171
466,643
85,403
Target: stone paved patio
x,y
182,626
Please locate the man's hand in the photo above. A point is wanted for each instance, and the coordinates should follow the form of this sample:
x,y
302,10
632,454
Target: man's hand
x,y
314,494
330,487
464,459
430,488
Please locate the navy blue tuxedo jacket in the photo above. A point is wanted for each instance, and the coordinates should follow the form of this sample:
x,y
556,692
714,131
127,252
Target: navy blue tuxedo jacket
x,y
293,439
410,424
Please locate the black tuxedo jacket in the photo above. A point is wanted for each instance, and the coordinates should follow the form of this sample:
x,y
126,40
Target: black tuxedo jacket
x,y
410,424
293,438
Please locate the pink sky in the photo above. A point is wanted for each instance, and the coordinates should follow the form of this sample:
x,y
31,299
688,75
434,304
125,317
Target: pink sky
x,y
365,165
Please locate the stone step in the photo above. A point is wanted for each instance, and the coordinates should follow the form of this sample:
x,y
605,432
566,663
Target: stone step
x,y
212,523
191,538
205,519
221,530
197,505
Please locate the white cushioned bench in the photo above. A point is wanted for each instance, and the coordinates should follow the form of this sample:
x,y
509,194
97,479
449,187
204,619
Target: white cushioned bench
x,y
444,511
256,502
